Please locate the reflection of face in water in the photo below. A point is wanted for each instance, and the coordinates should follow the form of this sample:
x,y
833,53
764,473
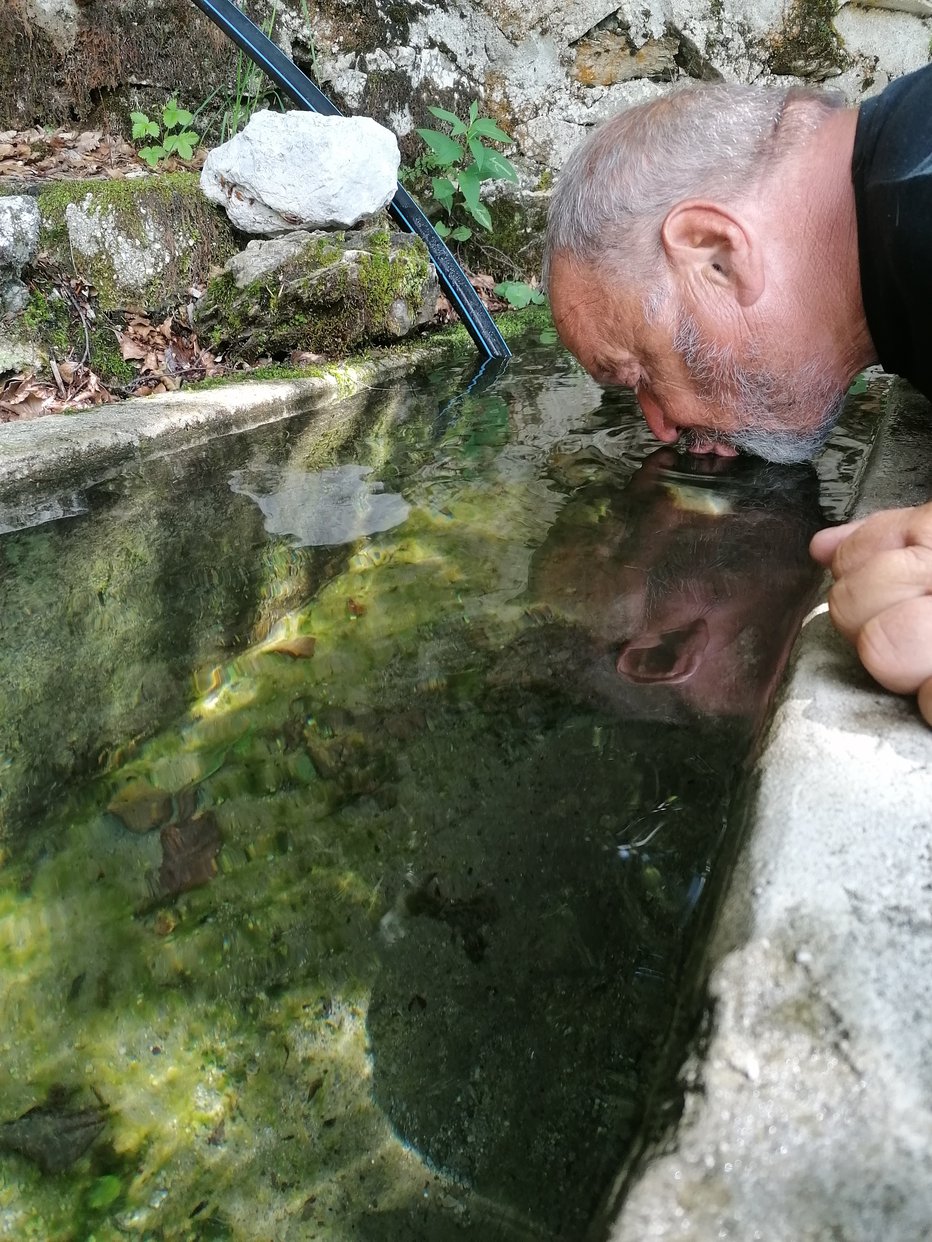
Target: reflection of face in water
x,y
529,965
685,586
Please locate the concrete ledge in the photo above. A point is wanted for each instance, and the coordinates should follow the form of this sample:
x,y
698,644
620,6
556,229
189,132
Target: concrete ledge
x,y
68,448
808,1113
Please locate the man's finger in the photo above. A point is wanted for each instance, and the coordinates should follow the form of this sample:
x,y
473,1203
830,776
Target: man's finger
x,y
882,532
896,646
824,543
890,578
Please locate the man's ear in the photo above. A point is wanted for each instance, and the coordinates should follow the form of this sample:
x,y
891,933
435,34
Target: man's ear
x,y
668,656
707,241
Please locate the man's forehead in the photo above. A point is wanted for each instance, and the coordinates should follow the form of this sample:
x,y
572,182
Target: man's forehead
x,y
593,321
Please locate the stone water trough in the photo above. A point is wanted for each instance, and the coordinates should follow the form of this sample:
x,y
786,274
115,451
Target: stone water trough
x,y
807,1086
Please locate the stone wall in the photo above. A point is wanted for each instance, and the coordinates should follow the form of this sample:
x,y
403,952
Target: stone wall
x,y
546,70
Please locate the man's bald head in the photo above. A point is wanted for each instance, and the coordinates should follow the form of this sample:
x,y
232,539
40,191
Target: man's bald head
x,y
712,141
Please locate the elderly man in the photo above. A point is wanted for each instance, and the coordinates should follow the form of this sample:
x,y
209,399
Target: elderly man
x,y
736,255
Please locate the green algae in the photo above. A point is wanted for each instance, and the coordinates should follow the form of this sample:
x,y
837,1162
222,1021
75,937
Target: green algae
x,y
409,946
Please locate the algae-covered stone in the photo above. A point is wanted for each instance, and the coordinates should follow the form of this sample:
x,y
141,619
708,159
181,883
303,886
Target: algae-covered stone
x,y
142,241
320,291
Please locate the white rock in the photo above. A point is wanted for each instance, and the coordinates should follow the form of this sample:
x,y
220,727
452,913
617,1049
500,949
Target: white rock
x,y
19,241
137,256
300,170
19,232
920,8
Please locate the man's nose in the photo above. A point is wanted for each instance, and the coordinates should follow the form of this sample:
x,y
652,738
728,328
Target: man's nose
x,y
662,428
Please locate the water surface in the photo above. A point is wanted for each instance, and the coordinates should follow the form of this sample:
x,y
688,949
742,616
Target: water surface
x,y
363,781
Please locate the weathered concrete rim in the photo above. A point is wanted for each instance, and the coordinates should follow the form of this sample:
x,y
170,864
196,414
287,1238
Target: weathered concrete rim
x,y
75,449
808,1107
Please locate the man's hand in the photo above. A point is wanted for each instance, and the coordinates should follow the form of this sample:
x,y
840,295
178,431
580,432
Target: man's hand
x,y
882,597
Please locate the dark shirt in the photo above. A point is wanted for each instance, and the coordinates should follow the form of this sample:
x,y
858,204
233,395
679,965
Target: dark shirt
x,y
892,173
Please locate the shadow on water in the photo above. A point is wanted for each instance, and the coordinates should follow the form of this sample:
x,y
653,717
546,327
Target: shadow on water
x,y
417,732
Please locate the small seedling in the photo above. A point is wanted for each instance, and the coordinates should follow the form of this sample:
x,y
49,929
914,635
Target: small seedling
x,y
173,136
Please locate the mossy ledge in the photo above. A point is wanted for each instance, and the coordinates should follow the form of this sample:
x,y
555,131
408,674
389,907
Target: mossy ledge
x,y
337,292
164,217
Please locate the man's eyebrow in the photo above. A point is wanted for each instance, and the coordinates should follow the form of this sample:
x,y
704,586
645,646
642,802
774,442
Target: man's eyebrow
x,y
606,372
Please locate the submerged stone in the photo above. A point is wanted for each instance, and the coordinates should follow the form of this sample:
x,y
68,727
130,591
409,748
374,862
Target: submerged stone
x,y
140,808
52,1134
189,854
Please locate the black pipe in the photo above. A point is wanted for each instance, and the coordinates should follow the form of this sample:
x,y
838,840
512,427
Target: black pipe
x,y
285,73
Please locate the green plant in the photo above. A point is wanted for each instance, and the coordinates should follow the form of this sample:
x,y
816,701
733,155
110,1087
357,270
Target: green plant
x,y
462,167
519,294
173,136
250,88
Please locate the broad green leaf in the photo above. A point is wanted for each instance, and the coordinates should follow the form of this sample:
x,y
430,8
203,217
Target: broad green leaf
x,y
515,292
488,129
481,213
152,155
441,229
473,112
463,233
174,116
496,167
469,186
143,127
444,148
443,189
479,153
519,294
451,118
185,143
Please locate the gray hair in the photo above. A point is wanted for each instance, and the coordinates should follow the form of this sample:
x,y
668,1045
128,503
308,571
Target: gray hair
x,y
714,141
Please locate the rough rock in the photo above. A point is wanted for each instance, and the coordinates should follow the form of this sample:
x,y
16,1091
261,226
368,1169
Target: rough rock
x,y
317,291
529,65
138,242
136,260
301,170
606,58
920,8
19,241
56,19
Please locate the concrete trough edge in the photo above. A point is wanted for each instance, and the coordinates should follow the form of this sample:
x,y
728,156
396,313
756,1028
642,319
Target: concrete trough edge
x,y
808,1105
67,448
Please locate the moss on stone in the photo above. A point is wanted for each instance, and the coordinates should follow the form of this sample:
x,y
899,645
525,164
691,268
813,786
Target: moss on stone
x,y
808,45
55,329
47,321
88,62
316,301
167,210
